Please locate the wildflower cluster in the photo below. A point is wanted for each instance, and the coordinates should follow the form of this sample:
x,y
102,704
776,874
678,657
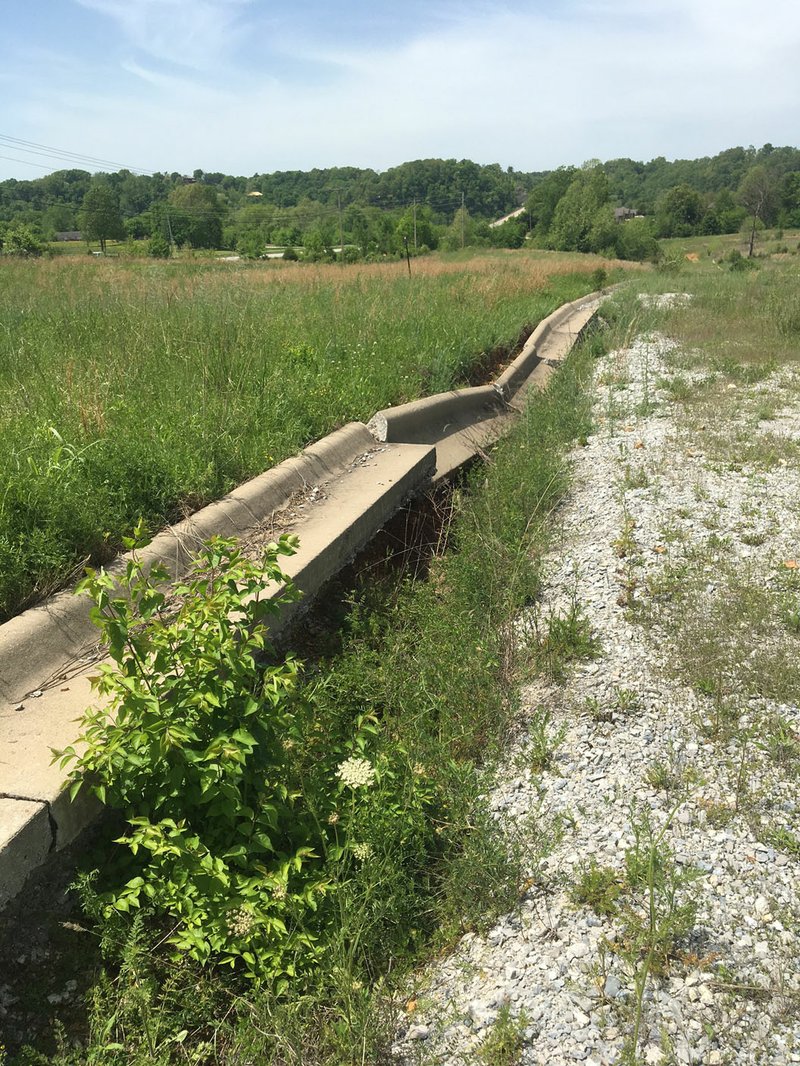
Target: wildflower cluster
x,y
356,773
240,922
362,851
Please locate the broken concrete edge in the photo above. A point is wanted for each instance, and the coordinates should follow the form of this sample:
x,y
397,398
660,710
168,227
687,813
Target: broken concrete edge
x,y
429,419
26,837
35,645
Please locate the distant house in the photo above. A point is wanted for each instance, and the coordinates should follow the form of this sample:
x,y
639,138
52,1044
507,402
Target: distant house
x,y
622,214
70,235
255,193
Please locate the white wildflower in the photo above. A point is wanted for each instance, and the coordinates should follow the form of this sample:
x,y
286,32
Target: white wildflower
x,y
361,851
240,922
356,773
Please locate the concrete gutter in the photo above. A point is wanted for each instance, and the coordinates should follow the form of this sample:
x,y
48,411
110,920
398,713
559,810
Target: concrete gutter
x,y
48,654
44,643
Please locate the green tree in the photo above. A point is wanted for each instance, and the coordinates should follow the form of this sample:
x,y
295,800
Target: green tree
x,y
158,247
196,215
20,240
100,217
790,199
418,226
679,212
540,206
578,222
460,233
635,240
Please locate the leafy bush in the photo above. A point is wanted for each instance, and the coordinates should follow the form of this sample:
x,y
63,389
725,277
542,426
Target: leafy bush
x,y
204,757
243,814
21,240
158,247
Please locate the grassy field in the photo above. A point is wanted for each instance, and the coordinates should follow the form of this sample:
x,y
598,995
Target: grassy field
x,y
137,388
710,249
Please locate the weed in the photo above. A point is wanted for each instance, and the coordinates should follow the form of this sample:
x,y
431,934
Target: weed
x,y
781,838
600,888
506,1040
596,710
665,776
718,815
568,638
780,741
677,388
543,741
753,538
658,918
635,478
625,545
626,700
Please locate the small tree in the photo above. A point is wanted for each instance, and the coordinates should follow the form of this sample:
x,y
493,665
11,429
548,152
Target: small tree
x,y
196,216
757,194
158,247
20,240
100,217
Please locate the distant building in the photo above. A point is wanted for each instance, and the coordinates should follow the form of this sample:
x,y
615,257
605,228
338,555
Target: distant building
x,y
70,235
622,214
255,193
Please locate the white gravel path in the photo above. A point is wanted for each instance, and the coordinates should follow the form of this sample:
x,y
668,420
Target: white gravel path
x,y
733,993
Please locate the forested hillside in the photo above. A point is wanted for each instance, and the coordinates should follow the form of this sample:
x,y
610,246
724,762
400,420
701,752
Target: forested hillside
x,y
424,204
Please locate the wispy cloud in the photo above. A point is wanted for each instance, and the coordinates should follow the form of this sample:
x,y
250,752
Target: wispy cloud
x,y
194,33
512,82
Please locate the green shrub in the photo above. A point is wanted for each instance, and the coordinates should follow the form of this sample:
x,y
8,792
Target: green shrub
x,y
158,247
205,759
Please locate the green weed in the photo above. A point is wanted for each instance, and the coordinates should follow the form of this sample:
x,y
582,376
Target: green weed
x,y
599,887
504,1044
543,740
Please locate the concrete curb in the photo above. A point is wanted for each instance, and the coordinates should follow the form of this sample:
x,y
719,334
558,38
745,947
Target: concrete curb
x,y
37,644
514,376
430,419
47,653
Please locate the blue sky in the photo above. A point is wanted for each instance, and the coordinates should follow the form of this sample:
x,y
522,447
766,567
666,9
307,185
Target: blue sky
x,y
246,86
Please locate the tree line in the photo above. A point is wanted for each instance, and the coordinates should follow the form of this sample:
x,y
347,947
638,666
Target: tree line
x,y
356,213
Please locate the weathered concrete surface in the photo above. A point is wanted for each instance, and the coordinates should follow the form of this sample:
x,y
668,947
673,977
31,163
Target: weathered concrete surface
x,y
552,339
26,841
36,646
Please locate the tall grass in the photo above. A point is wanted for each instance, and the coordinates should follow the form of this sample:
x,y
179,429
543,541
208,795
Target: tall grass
x,y
131,389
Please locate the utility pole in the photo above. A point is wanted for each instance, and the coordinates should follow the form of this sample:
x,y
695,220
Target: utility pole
x,y
341,228
462,221
415,224
169,230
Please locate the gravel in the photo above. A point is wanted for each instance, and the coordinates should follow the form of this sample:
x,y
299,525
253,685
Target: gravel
x,y
731,993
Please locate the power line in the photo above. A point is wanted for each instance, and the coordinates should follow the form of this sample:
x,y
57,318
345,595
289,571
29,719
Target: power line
x,y
27,162
34,148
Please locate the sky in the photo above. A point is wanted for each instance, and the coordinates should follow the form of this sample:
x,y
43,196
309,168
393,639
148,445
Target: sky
x,y
253,86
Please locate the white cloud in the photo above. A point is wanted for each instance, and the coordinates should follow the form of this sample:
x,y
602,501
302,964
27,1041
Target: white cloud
x,y
194,33
508,84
